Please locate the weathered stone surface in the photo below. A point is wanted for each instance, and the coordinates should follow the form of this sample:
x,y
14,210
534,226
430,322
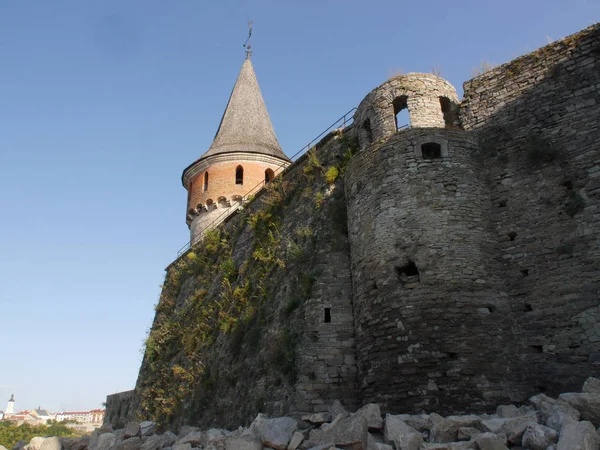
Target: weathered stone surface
x,y
539,437
351,432
578,436
376,444
187,429
152,443
591,386
274,433
489,441
546,406
81,443
131,443
35,443
168,439
513,427
132,429
588,405
450,446
372,413
147,428
403,436
182,446
446,430
420,422
467,433
51,443
295,441
195,438
19,445
558,419
337,408
317,418
106,441
245,442
214,439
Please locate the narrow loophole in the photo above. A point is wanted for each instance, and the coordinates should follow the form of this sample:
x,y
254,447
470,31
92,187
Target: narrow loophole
x,y
327,315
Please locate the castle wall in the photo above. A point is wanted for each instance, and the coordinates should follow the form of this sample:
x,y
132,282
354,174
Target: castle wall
x,y
121,408
432,328
538,120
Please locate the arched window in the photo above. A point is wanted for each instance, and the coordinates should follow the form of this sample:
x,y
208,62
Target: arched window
x,y
401,116
269,175
205,181
239,175
431,150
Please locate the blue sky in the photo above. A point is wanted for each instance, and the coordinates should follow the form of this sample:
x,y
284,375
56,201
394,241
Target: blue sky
x,y
103,104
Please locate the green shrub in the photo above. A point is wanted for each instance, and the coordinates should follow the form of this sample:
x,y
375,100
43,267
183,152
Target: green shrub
x,y
331,175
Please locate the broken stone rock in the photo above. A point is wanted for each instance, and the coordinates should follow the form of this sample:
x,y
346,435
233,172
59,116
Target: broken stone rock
x,y
588,405
372,413
245,442
274,433
513,427
317,418
546,406
132,429
403,436
539,437
591,386
147,428
446,430
578,436
351,433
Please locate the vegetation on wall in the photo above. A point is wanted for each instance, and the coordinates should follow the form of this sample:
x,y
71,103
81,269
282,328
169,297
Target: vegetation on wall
x,y
230,312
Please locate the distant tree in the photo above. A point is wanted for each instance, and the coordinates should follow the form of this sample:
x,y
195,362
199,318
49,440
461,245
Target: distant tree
x,y
10,433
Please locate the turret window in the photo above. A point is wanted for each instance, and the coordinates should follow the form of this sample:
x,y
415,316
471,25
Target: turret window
x,y
205,181
431,150
239,175
401,116
269,175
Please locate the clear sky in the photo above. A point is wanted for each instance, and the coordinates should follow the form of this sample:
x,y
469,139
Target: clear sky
x,y
104,103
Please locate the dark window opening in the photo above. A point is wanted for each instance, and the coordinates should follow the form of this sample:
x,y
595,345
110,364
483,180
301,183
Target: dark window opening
x,y
327,315
568,184
368,130
205,181
447,111
528,307
502,203
408,273
239,175
537,348
512,235
401,116
525,272
431,150
269,175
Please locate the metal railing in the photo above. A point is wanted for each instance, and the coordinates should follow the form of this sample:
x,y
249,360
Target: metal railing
x,y
344,121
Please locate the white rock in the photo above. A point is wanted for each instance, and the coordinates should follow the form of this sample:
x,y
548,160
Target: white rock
x,y
295,441
588,405
446,430
246,442
591,386
372,413
578,436
403,436
51,443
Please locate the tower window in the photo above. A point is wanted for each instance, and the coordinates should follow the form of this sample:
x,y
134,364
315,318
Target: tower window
x,y
269,175
368,130
327,315
431,150
401,116
239,175
447,111
205,181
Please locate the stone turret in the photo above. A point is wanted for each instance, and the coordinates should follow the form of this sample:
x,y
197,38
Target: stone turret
x,y
244,155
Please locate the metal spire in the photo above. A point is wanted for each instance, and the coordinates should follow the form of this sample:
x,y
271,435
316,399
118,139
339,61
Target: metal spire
x,y
247,44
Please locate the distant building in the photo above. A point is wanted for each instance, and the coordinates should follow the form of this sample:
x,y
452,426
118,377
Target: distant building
x,y
93,416
10,408
1,415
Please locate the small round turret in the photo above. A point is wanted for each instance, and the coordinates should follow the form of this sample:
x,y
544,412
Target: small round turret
x,y
430,101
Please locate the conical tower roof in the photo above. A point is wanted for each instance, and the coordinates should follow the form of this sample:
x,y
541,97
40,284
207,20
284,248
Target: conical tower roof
x,y
246,125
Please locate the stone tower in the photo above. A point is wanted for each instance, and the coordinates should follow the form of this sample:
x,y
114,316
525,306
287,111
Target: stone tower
x,y
10,408
421,252
243,157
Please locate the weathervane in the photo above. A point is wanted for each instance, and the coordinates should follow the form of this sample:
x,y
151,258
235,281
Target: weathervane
x,y
247,45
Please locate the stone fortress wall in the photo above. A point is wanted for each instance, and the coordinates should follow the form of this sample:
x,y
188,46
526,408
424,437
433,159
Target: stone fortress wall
x,y
474,243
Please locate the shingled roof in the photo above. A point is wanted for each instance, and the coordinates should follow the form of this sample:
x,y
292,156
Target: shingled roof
x,y
246,125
